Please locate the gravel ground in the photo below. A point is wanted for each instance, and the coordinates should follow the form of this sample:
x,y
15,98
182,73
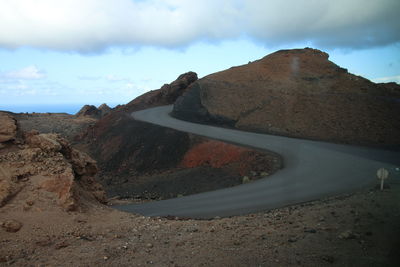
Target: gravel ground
x,y
350,230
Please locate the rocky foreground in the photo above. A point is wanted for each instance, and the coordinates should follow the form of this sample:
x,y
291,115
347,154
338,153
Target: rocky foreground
x,y
357,230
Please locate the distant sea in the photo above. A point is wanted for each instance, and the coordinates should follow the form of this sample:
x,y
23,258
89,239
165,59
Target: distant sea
x,y
61,108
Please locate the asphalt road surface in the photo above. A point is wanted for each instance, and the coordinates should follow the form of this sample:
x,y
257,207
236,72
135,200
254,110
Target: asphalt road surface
x,y
312,170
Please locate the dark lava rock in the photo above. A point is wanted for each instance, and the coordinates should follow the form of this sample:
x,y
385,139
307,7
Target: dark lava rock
x,y
190,108
104,109
310,230
90,111
93,112
328,258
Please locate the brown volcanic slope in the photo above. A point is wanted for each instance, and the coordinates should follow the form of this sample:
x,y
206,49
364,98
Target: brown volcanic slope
x,y
296,93
138,159
123,146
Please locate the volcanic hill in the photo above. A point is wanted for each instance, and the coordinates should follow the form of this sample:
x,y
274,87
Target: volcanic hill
x,y
138,159
298,93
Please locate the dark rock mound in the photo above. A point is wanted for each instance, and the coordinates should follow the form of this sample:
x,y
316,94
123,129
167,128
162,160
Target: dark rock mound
x,y
104,109
89,111
93,112
297,93
190,108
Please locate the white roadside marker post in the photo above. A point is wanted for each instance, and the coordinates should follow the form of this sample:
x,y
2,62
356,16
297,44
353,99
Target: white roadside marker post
x,y
382,174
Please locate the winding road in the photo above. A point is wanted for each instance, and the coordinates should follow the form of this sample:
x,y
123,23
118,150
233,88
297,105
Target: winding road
x,y
312,170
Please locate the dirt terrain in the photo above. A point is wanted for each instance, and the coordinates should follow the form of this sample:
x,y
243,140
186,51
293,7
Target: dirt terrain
x,y
351,230
67,125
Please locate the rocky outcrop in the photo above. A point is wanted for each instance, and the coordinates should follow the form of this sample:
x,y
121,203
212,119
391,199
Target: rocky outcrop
x,y
94,112
104,109
166,95
8,127
43,163
297,93
89,111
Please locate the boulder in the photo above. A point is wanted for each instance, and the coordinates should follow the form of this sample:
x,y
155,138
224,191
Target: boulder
x,y
62,185
46,142
11,226
7,188
8,127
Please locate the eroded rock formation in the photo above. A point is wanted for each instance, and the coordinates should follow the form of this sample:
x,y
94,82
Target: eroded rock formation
x,y
8,127
36,165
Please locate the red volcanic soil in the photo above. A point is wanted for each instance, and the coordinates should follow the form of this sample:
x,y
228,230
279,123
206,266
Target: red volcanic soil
x,y
213,153
218,154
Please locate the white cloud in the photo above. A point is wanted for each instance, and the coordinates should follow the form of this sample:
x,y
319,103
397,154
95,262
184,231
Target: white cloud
x,y
109,78
27,81
89,78
92,25
130,89
20,86
395,79
27,73
129,86
116,78
23,82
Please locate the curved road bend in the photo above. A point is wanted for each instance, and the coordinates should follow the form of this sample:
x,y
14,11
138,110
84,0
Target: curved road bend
x,y
312,170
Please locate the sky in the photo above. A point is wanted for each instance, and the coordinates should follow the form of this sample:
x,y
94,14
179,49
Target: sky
x,y
75,52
